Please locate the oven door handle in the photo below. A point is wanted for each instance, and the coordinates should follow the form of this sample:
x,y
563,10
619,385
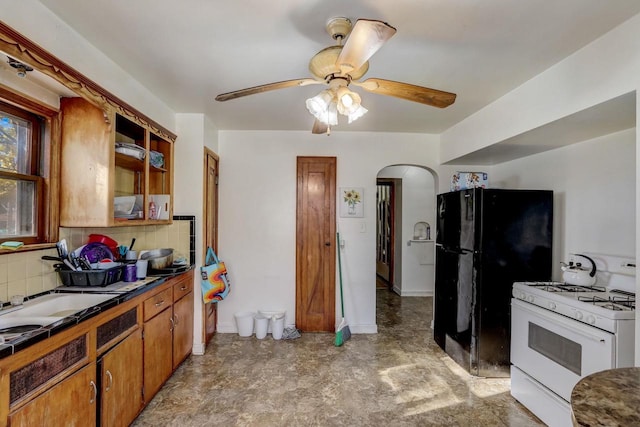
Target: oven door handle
x,y
590,337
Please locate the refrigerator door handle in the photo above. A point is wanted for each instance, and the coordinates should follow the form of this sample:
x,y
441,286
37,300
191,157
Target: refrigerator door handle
x,y
457,251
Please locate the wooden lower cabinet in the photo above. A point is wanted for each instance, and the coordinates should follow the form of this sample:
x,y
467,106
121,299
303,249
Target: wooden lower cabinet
x,y
129,353
158,362
70,403
183,328
121,382
168,334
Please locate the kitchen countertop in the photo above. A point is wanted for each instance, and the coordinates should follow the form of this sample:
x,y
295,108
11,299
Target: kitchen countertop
x,y
121,291
607,398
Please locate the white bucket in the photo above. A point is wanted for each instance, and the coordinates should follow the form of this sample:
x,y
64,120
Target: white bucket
x,y
262,324
270,314
277,326
244,321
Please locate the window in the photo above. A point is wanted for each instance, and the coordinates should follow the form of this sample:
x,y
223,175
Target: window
x,y
22,182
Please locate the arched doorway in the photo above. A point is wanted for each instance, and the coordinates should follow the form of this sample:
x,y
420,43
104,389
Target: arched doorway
x,y
405,217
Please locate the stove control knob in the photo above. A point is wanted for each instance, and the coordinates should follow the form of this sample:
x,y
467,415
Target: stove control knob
x,y
579,315
591,319
530,298
552,305
522,295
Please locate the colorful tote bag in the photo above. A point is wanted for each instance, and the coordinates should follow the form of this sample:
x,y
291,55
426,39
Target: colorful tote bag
x,y
214,280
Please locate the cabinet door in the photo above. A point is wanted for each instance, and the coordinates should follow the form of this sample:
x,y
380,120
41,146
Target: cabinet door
x,y
158,364
121,374
70,403
86,173
183,329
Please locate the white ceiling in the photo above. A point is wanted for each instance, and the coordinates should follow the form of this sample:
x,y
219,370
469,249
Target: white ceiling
x,y
189,51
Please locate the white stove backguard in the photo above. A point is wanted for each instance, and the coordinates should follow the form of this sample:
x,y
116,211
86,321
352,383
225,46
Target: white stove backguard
x,y
614,272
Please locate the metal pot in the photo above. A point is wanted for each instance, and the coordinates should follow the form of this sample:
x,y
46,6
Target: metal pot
x,y
159,258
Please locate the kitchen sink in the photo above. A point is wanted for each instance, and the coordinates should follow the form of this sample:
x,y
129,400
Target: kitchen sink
x,y
17,325
56,306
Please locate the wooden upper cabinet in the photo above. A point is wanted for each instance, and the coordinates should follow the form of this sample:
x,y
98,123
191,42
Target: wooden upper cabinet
x,y
114,171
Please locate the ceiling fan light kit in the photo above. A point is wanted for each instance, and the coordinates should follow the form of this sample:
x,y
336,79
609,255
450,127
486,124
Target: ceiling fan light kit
x,y
338,66
323,107
326,105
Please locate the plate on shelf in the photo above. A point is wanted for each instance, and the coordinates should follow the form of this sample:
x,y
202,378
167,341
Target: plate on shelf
x,y
126,215
131,150
123,205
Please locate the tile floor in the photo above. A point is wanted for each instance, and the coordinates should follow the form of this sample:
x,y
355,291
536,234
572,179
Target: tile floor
x,y
398,377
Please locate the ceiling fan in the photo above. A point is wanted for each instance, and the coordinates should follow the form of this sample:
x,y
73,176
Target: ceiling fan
x,y
340,66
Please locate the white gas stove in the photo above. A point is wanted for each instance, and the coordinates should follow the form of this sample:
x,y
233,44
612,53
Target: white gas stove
x,y
594,305
561,333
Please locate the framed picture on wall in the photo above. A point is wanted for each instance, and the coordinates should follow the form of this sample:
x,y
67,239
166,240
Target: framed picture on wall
x,y
351,202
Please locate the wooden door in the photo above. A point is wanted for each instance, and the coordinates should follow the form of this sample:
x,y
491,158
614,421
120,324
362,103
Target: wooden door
x,y
121,373
315,244
158,353
210,232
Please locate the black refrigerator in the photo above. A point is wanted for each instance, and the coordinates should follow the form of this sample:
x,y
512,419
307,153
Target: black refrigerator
x,y
486,239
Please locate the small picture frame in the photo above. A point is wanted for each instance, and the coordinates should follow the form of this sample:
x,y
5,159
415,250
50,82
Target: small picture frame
x,y
351,202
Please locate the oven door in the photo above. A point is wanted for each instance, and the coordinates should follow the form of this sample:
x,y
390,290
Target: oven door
x,y
555,350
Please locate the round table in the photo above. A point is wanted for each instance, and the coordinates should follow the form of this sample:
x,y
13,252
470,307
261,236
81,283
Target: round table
x,y
607,398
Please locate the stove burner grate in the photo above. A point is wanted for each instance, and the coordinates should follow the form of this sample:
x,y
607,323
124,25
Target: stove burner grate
x,y
612,303
629,302
576,288
564,287
593,299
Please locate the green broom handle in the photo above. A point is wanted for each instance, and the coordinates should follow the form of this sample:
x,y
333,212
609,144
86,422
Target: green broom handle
x,y
340,273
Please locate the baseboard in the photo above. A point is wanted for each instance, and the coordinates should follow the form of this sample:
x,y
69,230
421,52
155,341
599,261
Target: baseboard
x,y
198,349
230,328
417,293
363,329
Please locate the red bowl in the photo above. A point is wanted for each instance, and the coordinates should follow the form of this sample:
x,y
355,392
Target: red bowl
x,y
106,240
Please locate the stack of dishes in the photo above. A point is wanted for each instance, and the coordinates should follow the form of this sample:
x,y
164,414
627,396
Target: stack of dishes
x,y
131,150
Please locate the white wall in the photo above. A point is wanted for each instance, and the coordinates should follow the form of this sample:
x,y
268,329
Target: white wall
x,y
257,214
418,205
594,193
195,132
40,25
607,68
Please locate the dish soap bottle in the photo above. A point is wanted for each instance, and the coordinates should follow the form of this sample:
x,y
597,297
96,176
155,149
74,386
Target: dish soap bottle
x,y
152,210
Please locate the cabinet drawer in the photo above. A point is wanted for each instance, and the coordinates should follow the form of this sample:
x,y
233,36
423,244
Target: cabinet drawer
x,y
157,303
182,288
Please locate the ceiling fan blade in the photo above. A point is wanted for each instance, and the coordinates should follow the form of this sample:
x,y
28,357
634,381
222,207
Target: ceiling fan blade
x,y
423,95
366,37
265,88
320,128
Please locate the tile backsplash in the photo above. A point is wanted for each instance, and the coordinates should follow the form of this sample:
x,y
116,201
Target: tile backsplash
x,y
25,273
